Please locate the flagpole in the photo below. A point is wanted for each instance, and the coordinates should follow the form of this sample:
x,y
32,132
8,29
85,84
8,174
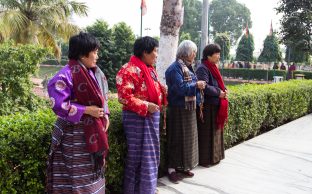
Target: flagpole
x,y
141,21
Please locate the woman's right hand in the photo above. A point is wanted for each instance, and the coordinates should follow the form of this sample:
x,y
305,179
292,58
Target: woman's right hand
x,y
222,94
151,107
201,85
94,111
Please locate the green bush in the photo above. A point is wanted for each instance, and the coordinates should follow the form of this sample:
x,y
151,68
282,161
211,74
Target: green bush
x,y
25,138
18,63
117,153
307,74
251,74
260,74
254,108
24,145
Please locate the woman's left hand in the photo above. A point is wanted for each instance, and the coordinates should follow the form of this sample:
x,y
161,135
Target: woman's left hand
x,y
107,122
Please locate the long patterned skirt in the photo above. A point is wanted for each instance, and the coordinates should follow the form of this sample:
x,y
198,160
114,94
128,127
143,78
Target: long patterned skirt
x,y
210,139
142,134
182,139
70,168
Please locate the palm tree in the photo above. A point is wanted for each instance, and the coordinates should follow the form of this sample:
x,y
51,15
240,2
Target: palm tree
x,y
43,22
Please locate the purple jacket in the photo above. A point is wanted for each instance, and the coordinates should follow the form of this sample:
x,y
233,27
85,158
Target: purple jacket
x,y
60,89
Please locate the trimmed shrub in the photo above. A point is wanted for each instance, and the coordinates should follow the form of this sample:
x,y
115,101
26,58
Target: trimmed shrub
x,y
117,142
258,74
254,108
250,74
24,145
25,138
307,74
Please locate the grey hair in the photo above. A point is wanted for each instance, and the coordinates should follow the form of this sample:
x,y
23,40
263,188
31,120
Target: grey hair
x,y
186,48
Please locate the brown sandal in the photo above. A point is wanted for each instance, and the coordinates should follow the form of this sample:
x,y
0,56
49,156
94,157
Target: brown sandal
x,y
174,177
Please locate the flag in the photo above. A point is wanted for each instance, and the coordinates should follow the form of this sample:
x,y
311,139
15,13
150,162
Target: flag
x,y
271,29
143,7
247,30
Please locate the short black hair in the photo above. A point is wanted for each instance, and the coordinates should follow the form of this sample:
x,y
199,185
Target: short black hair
x,y
81,45
209,50
144,44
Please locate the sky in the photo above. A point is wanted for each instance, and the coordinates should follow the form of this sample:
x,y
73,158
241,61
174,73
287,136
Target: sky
x,y
128,11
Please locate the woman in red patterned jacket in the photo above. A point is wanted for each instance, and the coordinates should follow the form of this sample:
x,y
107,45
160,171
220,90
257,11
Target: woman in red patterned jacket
x,y
142,96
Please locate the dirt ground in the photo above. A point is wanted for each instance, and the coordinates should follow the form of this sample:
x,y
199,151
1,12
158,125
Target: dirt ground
x,y
38,88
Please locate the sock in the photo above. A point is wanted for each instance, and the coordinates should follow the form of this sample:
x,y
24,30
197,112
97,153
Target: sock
x,y
171,170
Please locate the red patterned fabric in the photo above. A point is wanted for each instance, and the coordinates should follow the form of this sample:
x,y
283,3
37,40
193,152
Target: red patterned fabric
x,y
88,93
135,85
222,116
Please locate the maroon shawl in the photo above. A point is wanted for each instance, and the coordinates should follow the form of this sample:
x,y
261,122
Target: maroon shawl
x,y
87,92
224,104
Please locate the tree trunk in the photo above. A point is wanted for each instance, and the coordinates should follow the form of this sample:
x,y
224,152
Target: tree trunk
x,y
204,27
171,21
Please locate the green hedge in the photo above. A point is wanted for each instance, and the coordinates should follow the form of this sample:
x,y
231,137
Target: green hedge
x,y
260,74
254,108
250,74
25,138
307,74
24,145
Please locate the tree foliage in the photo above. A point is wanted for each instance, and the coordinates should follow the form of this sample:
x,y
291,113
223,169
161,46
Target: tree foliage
x,y
116,47
18,63
244,51
229,16
224,16
296,24
271,51
192,19
295,54
43,22
223,40
123,38
185,36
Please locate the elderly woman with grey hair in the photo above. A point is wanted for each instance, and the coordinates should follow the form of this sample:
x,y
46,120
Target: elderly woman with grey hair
x,y
183,95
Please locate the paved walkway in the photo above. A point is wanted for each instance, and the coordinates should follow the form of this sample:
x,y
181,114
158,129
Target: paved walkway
x,y
277,162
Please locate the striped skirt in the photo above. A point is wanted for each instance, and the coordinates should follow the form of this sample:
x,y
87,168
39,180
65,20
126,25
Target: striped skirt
x,y
141,170
211,145
70,168
182,139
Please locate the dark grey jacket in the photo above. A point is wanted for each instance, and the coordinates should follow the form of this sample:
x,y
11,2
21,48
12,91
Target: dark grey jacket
x,y
212,90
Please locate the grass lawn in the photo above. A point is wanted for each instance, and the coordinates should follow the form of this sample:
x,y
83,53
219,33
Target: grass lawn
x,y
49,70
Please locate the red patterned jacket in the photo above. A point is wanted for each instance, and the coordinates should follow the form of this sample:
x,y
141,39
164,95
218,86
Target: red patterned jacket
x,y
132,91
